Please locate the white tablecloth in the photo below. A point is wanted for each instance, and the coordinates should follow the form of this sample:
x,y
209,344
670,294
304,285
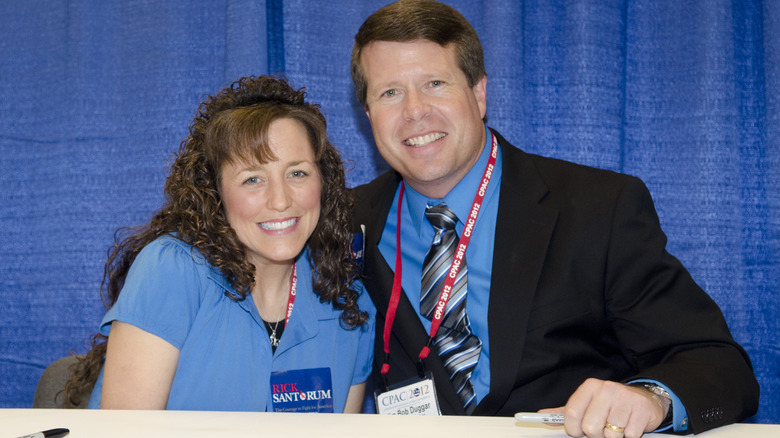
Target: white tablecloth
x,y
85,423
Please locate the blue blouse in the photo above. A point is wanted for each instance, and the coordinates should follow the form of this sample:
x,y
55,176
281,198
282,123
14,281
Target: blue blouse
x,y
225,361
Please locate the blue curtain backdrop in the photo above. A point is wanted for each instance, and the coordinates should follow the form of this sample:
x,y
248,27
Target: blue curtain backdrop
x,y
95,96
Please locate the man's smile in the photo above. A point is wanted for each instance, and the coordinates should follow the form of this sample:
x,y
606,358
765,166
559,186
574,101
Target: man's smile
x,y
424,139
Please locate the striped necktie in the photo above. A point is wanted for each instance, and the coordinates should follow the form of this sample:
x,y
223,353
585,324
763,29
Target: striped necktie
x,y
456,345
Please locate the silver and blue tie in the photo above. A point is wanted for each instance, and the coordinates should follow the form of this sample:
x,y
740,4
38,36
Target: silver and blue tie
x,y
458,348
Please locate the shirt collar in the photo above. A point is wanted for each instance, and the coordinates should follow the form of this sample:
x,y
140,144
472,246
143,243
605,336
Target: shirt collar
x,y
459,199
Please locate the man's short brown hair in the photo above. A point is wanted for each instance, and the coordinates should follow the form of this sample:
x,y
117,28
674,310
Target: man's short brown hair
x,y
410,20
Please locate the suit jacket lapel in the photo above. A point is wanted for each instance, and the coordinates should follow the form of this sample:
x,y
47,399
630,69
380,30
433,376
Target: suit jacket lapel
x,y
375,216
523,231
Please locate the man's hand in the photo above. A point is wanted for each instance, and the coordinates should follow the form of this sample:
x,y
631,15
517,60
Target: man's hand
x,y
597,404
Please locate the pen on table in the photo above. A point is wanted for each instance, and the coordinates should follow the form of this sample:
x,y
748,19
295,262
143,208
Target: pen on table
x,y
536,417
51,433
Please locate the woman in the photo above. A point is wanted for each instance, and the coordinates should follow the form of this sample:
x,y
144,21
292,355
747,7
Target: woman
x,y
240,294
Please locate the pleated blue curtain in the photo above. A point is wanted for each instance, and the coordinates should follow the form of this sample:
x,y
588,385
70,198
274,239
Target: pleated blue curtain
x,y
95,96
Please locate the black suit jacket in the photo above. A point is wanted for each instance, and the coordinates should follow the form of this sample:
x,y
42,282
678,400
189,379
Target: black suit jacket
x,y
581,286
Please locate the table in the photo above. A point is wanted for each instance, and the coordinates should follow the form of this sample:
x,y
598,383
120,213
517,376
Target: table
x,y
87,423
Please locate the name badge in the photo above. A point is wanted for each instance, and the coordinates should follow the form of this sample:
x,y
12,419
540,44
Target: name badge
x,y
307,390
412,397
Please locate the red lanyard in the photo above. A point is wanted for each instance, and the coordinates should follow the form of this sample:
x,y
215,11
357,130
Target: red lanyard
x,y
293,290
457,261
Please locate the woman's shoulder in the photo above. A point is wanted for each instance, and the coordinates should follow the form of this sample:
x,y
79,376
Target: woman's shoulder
x,y
168,248
171,242
174,258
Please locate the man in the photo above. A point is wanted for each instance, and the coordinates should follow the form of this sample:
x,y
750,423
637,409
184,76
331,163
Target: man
x,y
572,304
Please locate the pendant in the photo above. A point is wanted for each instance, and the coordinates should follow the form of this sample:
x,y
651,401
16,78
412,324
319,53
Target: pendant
x,y
274,339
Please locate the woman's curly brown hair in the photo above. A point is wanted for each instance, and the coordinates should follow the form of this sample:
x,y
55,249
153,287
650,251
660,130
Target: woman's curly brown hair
x,y
233,124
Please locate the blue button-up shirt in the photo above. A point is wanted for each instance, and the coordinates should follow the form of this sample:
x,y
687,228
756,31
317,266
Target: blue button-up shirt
x,y
417,237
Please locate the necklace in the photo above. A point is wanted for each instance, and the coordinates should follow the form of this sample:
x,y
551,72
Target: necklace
x,y
272,336
272,330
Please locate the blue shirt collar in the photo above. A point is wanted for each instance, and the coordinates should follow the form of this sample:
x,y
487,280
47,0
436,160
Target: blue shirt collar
x,y
459,199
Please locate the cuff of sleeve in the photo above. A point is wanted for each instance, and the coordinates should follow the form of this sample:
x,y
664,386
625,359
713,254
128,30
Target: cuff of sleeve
x,y
679,413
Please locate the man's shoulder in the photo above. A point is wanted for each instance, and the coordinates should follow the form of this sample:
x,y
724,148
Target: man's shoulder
x,y
374,198
559,168
385,182
550,165
558,176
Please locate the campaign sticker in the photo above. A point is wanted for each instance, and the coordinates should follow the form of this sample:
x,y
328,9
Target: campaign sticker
x,y
306,390
359,246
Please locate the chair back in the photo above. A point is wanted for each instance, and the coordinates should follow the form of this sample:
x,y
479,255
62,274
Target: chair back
x,y
50,392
